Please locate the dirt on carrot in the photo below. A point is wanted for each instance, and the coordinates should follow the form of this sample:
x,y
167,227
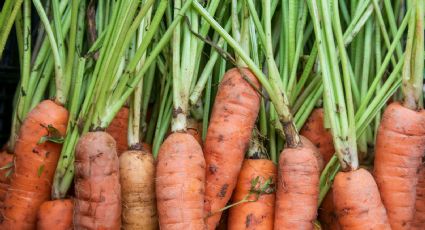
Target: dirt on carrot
x,y
180,181
297,187
233,118
400,146
255,176
34,165
97,186
55,214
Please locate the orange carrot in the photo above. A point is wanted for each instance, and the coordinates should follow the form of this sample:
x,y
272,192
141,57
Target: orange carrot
x,y
297,187
259,214
419,217
233,118
97,187
34,165
316,132
55,214
400,146
118,129
357,201
5,160
180,177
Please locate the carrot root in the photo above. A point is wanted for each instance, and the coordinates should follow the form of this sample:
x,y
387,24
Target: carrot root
x,y
297,187
180,177
400,146
34,165
259,214
357,201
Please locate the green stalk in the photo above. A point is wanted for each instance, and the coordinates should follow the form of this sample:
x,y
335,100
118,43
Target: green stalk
x,y
413,68
59,77
7,22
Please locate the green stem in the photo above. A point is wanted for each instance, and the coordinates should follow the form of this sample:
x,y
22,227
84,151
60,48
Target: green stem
x,y
10,19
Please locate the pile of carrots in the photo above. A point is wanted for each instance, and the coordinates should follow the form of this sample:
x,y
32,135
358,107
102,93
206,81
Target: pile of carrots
x,y
190,114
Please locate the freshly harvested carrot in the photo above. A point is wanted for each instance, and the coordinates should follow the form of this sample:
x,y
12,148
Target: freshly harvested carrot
x,y
34,165
400,146
5,160
97,203
297,187
233,118
137,173
118,129
180,177
327,215
259,214
419,217
350,191
314,129
55,214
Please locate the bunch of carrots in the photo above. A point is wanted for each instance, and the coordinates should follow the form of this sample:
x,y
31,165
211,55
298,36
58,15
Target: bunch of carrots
x,y
190,114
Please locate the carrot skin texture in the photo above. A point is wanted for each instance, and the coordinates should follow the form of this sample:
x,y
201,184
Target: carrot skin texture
x,y
180,178
419,217
314,130
55,214
137,172
232,120
118,129
357,201
97,186
258,215
297,187
5,159
34,166
400,146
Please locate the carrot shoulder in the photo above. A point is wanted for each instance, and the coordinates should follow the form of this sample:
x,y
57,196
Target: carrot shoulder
x,y
180,177
55,214
232,120
34,166
419,217
400,146
118,129
97,185
259,214
357,201
297,187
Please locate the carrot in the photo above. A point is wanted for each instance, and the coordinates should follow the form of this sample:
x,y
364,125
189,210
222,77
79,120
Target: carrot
x,y
327,215
34,165
400,146
419,217
232,120
297,187
97,188
118,129
137,172
55,214
180,176
315,131
357,201
258,214
5,160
